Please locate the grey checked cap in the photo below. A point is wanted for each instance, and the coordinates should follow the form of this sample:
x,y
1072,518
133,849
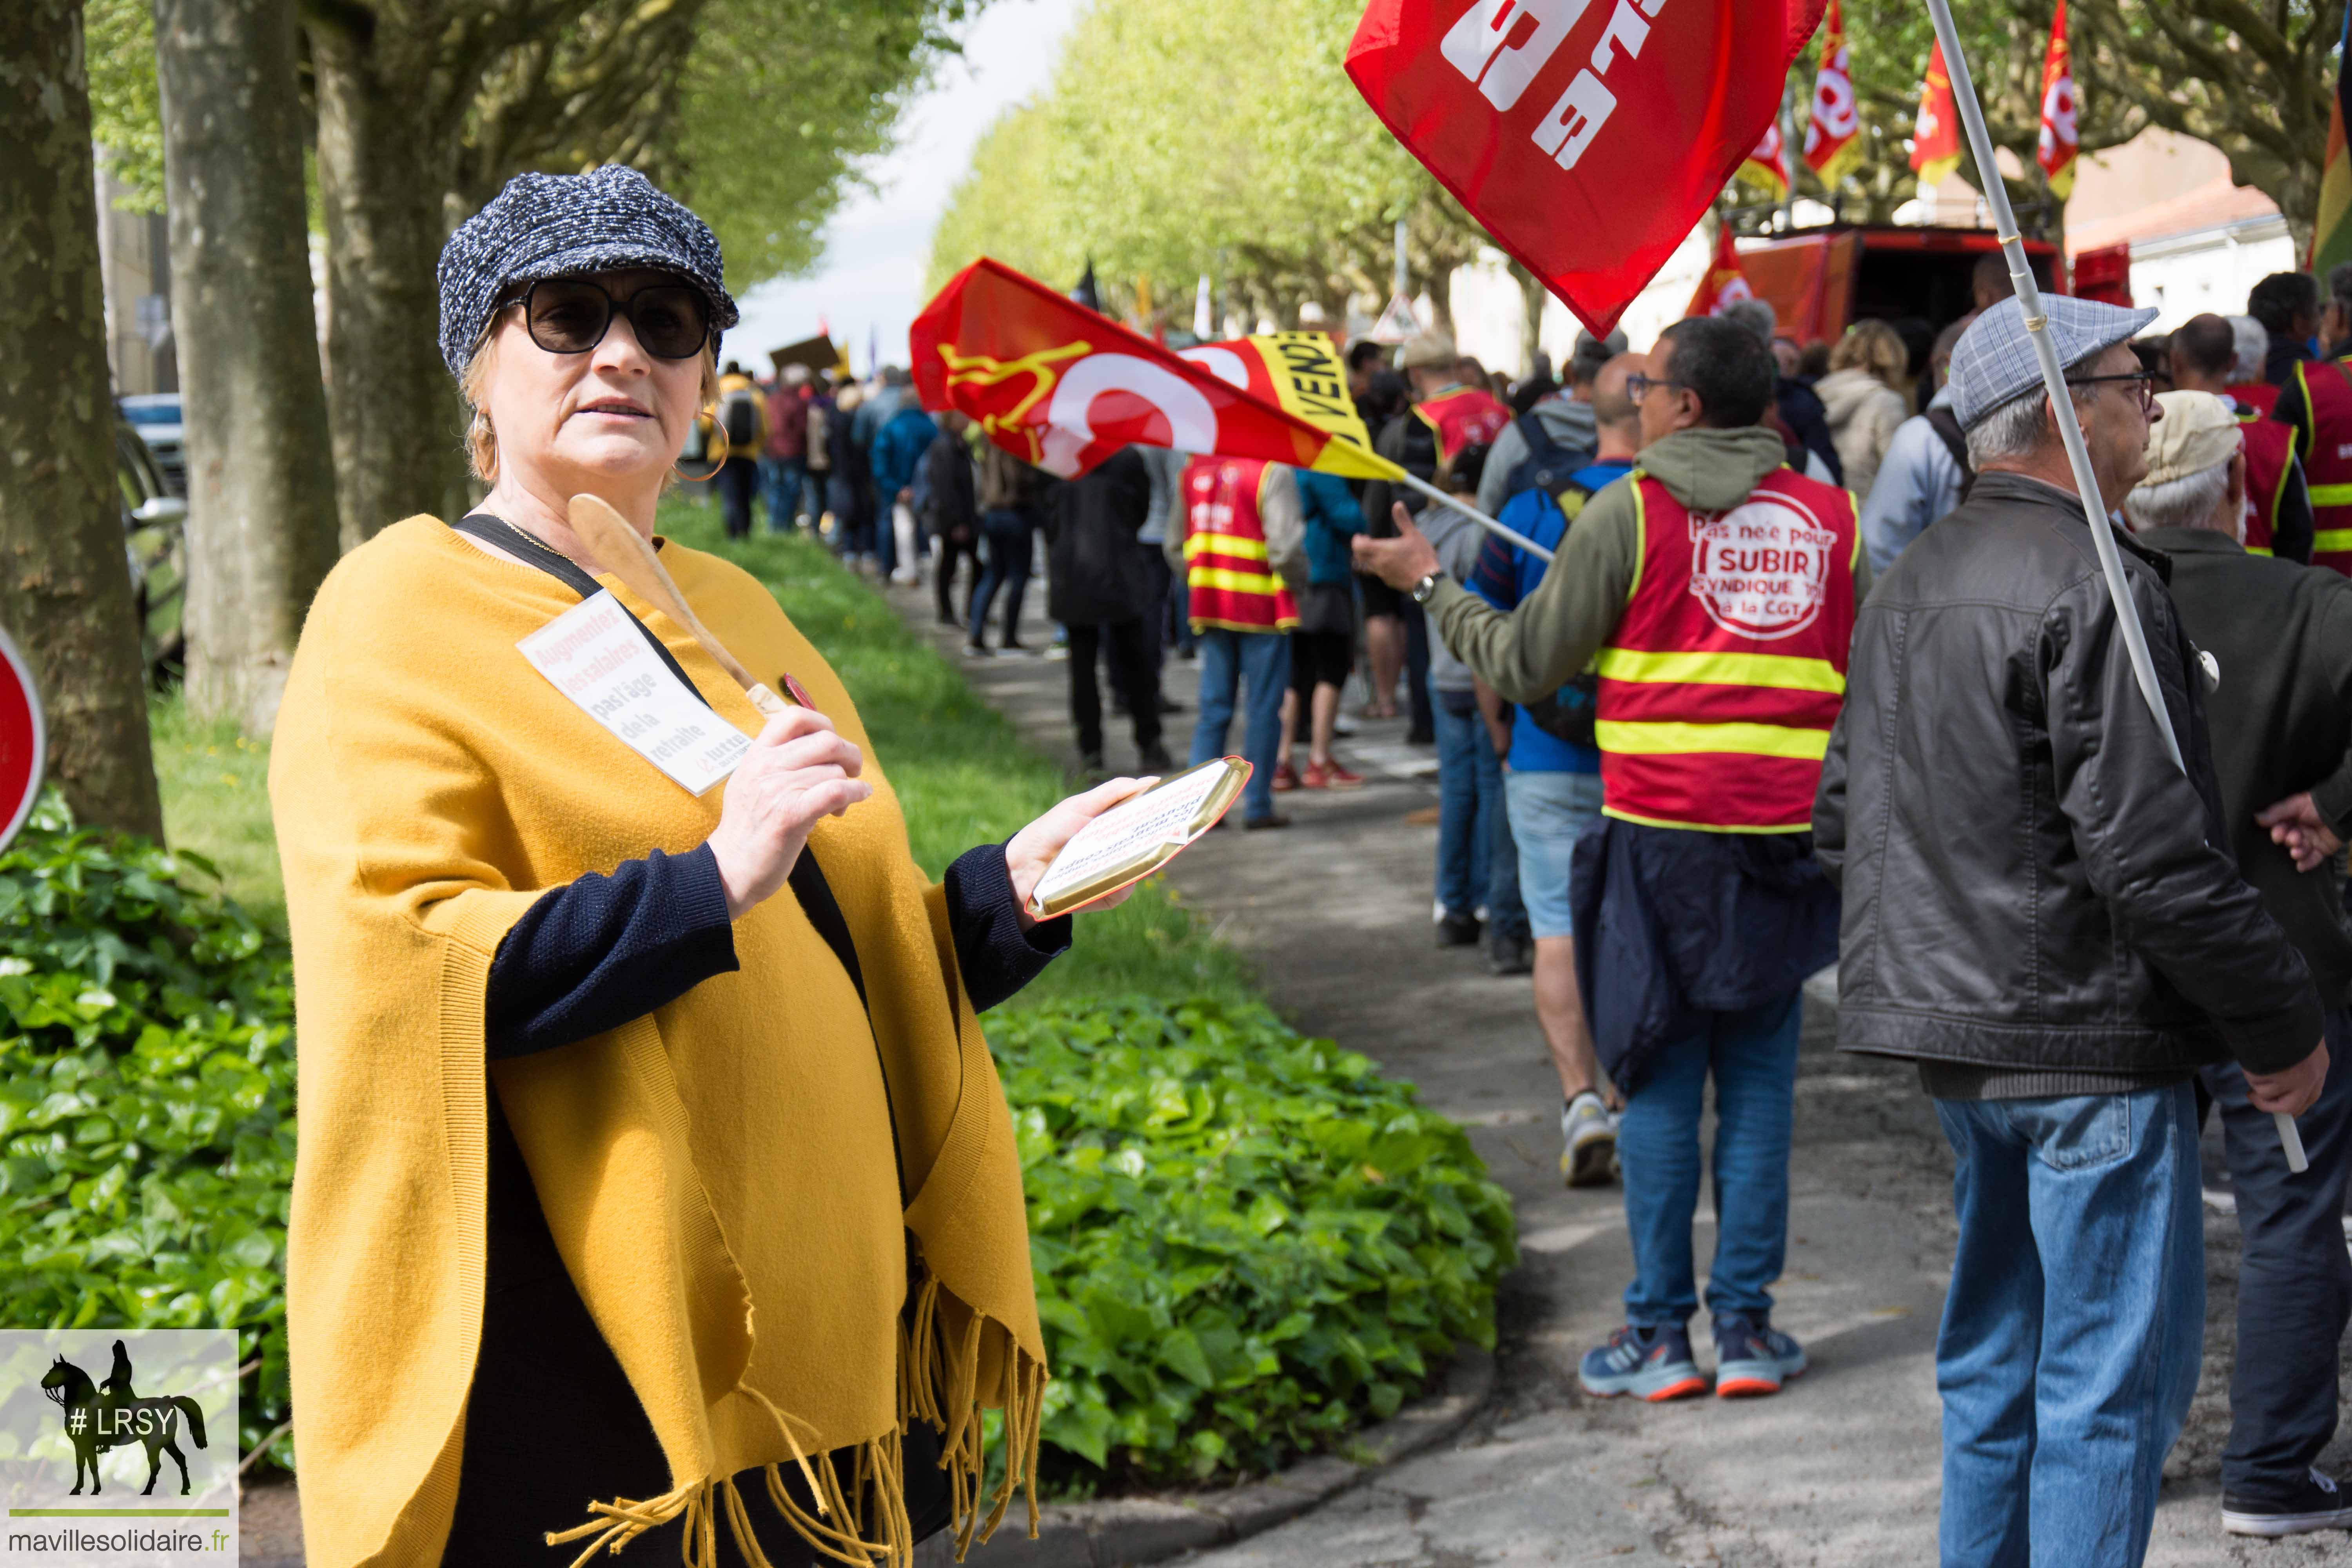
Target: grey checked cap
x,y
555,226
1993,364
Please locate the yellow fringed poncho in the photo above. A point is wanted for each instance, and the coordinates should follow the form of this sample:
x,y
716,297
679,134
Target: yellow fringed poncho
x,y
717,1175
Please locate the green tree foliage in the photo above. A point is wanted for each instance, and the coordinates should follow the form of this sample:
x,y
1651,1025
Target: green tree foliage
x,y
120,38
755,113
779,101
1179,139
2253,78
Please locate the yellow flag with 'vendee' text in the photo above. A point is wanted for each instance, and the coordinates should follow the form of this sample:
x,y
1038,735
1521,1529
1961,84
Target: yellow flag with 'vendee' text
x,y
1302,373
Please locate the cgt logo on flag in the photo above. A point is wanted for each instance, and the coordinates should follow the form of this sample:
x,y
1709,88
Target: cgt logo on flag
x,y
1586,135
119,1446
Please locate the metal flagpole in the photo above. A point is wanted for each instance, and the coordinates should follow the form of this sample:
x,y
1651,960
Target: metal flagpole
x,y
1475,515
2070,431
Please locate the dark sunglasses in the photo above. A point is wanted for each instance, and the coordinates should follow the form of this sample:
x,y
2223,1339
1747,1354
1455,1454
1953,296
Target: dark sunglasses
x,y
2146,387
571,316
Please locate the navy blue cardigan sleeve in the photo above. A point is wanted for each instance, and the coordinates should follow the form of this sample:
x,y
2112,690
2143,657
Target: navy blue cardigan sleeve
x,y
600,950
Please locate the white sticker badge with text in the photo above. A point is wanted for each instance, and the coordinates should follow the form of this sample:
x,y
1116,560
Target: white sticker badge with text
x,y
598,657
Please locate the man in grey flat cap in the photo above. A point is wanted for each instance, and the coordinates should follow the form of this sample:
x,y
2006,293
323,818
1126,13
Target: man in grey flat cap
x,y
2042,911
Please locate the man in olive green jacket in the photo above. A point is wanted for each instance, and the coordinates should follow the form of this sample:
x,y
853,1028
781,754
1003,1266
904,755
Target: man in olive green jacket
x,y
1698,907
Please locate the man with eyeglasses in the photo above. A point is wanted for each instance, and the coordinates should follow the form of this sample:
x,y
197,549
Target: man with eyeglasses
x,y
2042,911
1712,591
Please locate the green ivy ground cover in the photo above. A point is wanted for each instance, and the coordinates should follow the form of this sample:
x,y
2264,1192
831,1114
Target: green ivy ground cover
x,y
1246,1242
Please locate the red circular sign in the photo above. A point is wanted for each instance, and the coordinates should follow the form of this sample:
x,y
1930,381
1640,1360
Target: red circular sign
x,y
21,740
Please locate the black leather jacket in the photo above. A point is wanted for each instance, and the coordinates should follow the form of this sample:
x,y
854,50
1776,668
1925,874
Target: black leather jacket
x,y
2029,881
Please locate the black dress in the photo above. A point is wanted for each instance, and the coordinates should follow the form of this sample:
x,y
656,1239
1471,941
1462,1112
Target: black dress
x,y
552,1424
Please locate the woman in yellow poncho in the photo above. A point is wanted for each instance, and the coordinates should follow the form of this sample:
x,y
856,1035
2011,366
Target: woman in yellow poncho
x,y
653,1178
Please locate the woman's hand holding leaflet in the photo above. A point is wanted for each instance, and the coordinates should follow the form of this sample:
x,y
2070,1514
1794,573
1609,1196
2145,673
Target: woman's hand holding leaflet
x,y
1031,850
799,770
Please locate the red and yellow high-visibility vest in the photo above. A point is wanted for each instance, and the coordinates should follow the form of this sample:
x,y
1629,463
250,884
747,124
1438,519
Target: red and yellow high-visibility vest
x,y
1226,573
2260,396
1461,416
1724,675
2270,460
2327,466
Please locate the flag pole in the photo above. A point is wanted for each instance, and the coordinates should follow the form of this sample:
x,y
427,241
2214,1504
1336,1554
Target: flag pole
x,y
1475,515
2070,430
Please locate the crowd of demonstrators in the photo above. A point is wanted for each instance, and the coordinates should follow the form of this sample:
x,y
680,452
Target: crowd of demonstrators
x,y
1098,586
2286,304
900,440
2282,749
1697,907
742,420
1239,537
1796,415
951,513
784,450
1012,495
1864,399
2062,971
849,483
1323,646
1552,783
2200,357
1172,622
1554,434
1447,414
1469,771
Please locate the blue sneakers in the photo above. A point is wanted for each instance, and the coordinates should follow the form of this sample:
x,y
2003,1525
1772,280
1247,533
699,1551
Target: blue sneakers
x,y
1753,1359
1652,1363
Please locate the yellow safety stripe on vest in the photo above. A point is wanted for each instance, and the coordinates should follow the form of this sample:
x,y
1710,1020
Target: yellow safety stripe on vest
x,y
1704,826
1664,739
1775,670
1233,581
1640,535
1233,545
2332,540
2331,495
2259,550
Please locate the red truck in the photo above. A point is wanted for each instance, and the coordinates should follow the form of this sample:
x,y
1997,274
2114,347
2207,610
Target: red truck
x,y
1822,280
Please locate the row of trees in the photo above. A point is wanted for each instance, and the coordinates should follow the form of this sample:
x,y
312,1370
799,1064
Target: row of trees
x,y
382,124
1182,138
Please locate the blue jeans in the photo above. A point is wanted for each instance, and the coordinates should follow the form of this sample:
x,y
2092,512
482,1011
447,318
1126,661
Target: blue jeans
x,y
1753,1055
1259,661
1550,812
1004,545
1469,794
2074,1326
1507,913
781,479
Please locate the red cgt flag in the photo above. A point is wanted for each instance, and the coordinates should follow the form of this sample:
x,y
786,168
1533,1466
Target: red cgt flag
x,y
1724,281
1936,132
2058,141
1586,135
1060,386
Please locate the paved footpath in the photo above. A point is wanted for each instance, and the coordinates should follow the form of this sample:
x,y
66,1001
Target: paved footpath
x,y
1841,1469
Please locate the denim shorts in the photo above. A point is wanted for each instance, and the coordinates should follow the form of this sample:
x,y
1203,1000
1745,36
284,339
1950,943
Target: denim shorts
x,y
1549,811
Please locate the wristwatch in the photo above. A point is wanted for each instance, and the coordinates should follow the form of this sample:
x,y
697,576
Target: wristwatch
x,y
1426,587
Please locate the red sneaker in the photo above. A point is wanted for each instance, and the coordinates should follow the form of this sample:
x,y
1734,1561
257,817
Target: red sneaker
x,y
1286,777
1329,775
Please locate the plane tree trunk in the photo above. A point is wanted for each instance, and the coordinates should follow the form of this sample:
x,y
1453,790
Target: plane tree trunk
x,y
261,528
65,577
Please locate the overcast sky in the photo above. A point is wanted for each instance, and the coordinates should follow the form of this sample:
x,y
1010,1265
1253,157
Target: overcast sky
x,y
870,278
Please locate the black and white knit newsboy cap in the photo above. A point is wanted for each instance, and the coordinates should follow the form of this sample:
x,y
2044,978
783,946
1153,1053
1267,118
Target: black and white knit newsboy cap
x,y
553,226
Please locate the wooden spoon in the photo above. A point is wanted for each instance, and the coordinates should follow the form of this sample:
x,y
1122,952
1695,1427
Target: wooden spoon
x,y
628,556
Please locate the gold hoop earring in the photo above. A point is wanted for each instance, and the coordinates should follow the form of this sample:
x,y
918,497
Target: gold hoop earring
x,y
718,437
